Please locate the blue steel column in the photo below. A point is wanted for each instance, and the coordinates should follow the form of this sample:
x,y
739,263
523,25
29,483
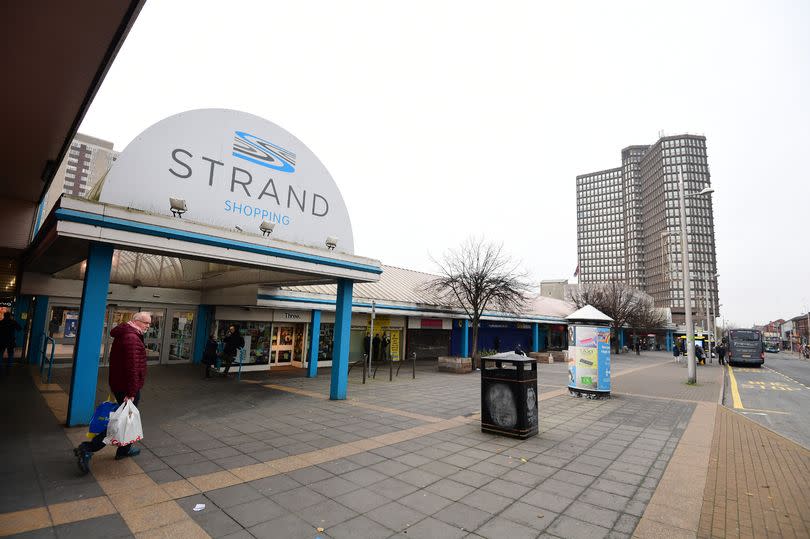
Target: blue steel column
x,y
465,338
81,402
340,352
201,330
535,337
38,326
314,343
669,341
621,338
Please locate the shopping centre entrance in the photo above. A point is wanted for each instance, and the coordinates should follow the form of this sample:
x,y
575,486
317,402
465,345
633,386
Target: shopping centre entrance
x,y
225,202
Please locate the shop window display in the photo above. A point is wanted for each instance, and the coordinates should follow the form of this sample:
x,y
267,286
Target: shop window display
x,y
257,338
326,342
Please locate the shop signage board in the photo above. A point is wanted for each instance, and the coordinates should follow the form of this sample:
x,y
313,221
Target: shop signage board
x,y
589,359
291,316
232,169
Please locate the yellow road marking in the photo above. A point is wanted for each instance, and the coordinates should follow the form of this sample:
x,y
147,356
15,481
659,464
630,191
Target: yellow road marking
x,y
735,393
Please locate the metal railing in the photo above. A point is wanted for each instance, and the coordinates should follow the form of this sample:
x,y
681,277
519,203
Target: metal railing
x,y
44,356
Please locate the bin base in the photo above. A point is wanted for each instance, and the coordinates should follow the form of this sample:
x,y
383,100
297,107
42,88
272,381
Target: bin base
x,y
509,433
588,393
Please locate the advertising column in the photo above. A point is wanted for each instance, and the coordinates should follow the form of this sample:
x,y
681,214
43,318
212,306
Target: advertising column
x,y
589,361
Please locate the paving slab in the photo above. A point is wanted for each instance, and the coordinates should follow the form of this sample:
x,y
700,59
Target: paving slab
x,y
334,463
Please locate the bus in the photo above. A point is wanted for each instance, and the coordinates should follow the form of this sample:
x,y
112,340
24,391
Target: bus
x,y
745,347
772,344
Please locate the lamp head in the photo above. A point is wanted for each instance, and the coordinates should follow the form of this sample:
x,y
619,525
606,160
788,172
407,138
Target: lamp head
x,y
178,206
267,228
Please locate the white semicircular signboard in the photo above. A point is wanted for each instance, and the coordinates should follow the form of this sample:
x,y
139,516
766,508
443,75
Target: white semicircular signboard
x,y
232,169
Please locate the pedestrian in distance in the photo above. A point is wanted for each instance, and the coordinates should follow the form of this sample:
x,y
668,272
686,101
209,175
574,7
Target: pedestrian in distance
x,y
676,352
209,357
233,342
375,347
127,376
8,337
638,347
721,354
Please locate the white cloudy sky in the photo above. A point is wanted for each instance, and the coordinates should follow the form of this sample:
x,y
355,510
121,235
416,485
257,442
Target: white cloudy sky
x,y
445,119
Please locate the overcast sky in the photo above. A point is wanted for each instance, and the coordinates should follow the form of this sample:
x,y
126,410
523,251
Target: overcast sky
x,y
440,120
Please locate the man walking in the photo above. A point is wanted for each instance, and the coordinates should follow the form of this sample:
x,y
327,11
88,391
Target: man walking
x,y
233,341
8,337
127,375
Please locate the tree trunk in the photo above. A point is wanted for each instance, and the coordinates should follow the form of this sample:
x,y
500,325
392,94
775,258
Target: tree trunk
x,y
474,353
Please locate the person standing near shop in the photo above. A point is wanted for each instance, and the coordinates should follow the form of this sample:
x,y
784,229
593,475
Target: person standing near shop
x,y
233,341
209,357
8,337
127,376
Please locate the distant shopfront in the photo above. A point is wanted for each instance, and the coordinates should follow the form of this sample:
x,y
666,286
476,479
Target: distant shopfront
x,y
429,338
503,335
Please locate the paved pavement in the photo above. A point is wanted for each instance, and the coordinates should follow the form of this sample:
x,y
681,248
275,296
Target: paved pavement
x,y
758,484
273,457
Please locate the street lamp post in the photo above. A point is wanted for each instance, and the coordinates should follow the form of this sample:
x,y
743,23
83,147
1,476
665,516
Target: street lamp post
x,y
687,286
706,305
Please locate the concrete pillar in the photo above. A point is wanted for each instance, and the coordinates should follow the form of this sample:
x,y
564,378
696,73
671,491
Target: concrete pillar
x,y
202,328
535,337
340,352
82,399
39,325
314,343
465,338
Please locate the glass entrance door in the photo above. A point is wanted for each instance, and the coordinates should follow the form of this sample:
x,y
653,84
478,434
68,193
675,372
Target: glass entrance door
x,y
153,338
283,344
181,336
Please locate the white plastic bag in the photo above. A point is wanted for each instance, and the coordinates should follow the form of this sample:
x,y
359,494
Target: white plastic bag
x,y
124,427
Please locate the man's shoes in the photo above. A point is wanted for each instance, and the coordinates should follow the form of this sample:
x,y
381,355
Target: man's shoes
x,y
133,452
83,457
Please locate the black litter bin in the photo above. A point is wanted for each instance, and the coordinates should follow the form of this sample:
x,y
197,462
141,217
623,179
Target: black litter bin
x,y
509,395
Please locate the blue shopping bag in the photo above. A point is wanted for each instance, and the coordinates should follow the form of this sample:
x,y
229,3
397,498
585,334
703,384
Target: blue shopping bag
x,y
101,417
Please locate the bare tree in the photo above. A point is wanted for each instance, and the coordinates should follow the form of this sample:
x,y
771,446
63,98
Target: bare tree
x,y
645,316
479,276
615,299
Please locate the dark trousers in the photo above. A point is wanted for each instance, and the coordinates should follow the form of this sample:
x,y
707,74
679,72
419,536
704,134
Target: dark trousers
x,y
228,359
7,349
97,442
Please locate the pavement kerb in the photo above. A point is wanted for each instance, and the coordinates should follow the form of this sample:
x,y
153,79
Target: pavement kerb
x,y
722,390
674,510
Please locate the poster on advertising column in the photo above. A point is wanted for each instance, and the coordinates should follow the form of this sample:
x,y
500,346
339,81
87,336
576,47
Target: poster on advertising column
x,y
589,359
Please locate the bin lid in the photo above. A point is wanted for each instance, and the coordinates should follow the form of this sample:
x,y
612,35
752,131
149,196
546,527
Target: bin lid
x,y
509,356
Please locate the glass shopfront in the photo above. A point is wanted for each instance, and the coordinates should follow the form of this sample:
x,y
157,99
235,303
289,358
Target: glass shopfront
x,y
162,347
269,343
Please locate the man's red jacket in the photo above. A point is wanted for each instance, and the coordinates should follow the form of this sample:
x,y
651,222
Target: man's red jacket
x,y
127,360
